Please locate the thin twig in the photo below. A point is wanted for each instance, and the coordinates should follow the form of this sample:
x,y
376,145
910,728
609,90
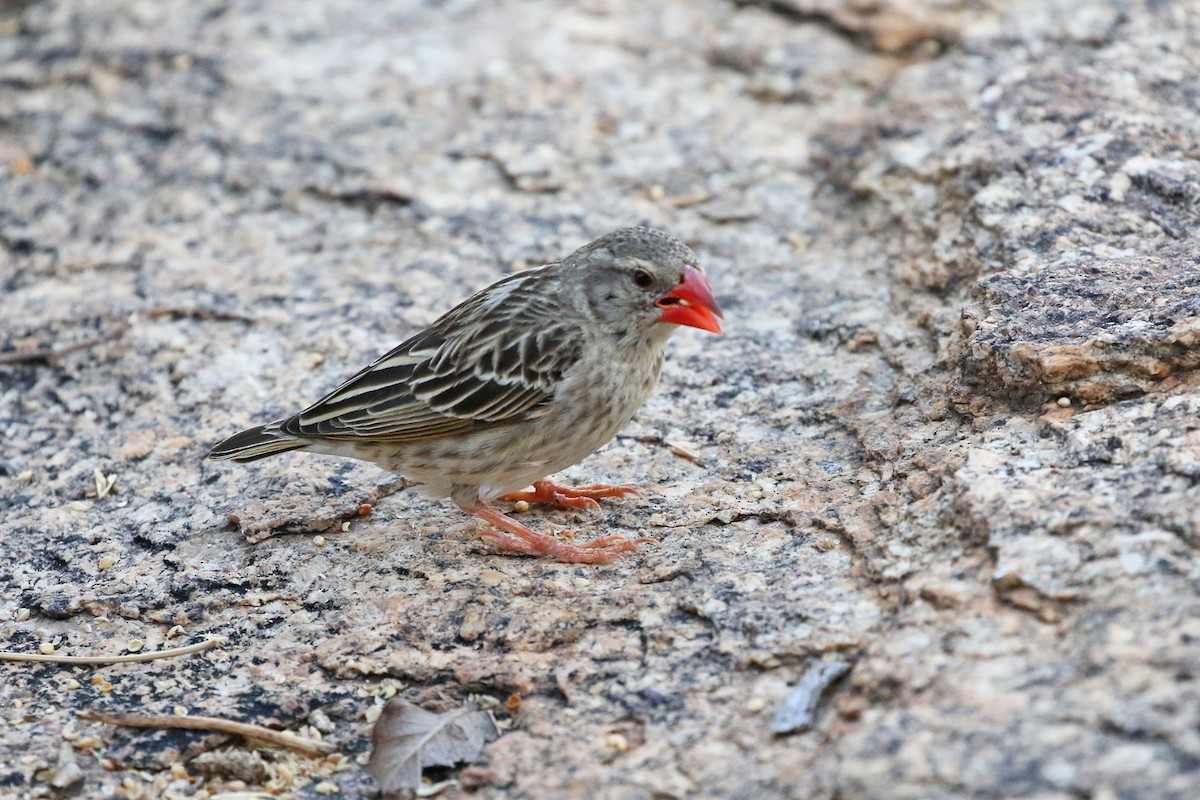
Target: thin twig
x,y
49,354
685,452
216,725
198,314
8,655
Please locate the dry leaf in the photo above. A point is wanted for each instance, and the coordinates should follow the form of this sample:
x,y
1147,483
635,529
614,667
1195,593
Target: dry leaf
x,y
407,739
104,483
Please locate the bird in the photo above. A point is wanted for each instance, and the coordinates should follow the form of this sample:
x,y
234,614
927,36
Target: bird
x,y
521,380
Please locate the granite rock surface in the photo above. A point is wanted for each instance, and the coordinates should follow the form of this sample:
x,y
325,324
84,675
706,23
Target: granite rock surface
x,y
951,437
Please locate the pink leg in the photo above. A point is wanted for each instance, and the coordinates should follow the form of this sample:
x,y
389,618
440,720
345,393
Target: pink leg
x,y
514,537
567,497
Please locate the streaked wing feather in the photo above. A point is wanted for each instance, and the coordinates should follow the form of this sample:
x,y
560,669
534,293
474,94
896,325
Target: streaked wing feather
x,y
490,360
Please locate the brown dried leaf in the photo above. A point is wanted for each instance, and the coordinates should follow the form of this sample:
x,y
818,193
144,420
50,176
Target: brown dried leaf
x,y
407,739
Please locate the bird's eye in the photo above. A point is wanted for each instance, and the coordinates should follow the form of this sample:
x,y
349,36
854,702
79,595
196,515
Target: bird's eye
x,y
643,279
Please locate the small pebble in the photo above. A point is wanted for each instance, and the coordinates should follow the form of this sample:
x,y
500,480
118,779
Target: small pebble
x,y
852,706
520,506
1064,402
616,741
491,577
319,541
484,701
46,648
321,721
285,773
797,240
21,165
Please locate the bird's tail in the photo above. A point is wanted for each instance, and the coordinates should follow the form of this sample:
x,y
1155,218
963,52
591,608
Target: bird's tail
x,y
255,443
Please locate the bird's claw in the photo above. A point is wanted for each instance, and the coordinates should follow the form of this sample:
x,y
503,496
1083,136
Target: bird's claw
x,y
514,537
619,544
570,497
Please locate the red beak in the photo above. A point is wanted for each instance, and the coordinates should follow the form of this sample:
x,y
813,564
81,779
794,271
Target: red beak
x,y
691,303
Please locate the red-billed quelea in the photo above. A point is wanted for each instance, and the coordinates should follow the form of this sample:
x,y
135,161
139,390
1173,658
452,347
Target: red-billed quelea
x,y
527,377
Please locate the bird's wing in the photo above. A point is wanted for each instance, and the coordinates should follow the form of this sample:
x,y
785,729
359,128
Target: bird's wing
x,y
498,357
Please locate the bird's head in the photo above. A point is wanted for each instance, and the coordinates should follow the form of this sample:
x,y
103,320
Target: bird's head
x,y
638,280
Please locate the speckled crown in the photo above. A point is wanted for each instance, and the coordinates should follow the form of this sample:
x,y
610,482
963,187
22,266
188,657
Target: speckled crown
x,y
645,243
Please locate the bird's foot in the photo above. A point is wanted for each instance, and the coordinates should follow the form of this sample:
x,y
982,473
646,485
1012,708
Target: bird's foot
x,y
568,497
514,537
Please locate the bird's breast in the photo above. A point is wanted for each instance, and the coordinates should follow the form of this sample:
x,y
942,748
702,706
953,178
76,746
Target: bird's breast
x,y
602,394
